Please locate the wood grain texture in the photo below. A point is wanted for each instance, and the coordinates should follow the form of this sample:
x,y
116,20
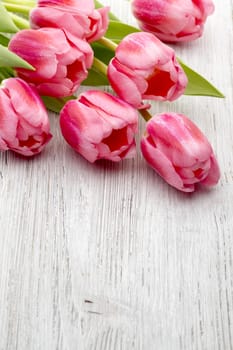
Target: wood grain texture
x,y
109,257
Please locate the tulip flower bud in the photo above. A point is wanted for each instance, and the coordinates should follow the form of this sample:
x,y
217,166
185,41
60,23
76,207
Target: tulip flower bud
x,y
60,60
145,68
80,18
100,126
173,21
24,123
179,152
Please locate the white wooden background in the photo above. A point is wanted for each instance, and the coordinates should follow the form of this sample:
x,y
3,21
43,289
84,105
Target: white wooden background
x,y
108,256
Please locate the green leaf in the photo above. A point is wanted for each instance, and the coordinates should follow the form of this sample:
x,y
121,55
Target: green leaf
x,y
110,15
4,40
198,85
10,59
6,23
56,104
118,30
95,78
102,52
6,72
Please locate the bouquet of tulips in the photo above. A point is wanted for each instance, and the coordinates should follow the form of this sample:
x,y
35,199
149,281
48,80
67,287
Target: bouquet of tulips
x,y
48,49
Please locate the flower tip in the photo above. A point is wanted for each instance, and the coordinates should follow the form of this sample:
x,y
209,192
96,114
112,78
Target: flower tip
x,y
179,152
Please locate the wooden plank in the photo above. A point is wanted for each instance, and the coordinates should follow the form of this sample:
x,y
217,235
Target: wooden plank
x,y
108,256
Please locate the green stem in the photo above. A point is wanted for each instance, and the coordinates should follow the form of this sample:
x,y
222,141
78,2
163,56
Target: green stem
x,y
17,8
6,72
4,40
145,114
20,22
10,71
100,66
30,3
2,77
108,43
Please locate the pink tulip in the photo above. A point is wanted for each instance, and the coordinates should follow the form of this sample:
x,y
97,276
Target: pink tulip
x,y
173,21
24,123
179,152
145,68
60,59
78,17
100,126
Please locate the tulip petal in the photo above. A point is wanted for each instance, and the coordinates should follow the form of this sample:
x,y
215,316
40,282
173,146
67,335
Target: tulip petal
x,y
58,58
145,68
24,123
124,87
22,96
86,120
84,6
173,21
145,45
163,166
111,105
41,17
188,142
99,126
8,122
99,23
214,173
179,152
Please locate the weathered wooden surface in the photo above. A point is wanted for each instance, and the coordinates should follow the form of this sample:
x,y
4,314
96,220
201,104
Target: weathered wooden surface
x,y
107,256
